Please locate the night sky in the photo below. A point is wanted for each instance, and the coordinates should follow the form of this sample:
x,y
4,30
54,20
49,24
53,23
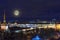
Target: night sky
x,y
30,9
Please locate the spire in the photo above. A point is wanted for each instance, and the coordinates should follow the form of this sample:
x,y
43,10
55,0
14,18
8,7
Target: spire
x,y
4,17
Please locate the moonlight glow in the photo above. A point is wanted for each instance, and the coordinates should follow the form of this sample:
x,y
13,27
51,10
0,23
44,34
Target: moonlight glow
x,y
16,12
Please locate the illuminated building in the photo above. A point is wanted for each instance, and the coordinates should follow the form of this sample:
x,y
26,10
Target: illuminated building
x,y
58,26
3,25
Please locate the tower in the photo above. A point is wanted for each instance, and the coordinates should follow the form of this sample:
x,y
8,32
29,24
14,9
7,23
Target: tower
x,y
3,25
4,19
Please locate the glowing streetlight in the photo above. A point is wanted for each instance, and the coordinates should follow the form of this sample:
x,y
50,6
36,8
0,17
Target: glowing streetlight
x,y
16,12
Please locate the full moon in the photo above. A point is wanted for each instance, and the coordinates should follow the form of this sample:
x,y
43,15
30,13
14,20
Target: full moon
x,y
16,12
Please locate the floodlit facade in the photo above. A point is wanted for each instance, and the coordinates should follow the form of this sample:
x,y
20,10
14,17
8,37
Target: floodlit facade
x,y
3,26
58,26
51,26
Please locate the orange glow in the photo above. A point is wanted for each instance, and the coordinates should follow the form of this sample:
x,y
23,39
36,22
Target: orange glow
x,y
58,26
3,27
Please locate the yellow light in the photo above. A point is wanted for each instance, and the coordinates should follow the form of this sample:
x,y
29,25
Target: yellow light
x,y
51,26
58,26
